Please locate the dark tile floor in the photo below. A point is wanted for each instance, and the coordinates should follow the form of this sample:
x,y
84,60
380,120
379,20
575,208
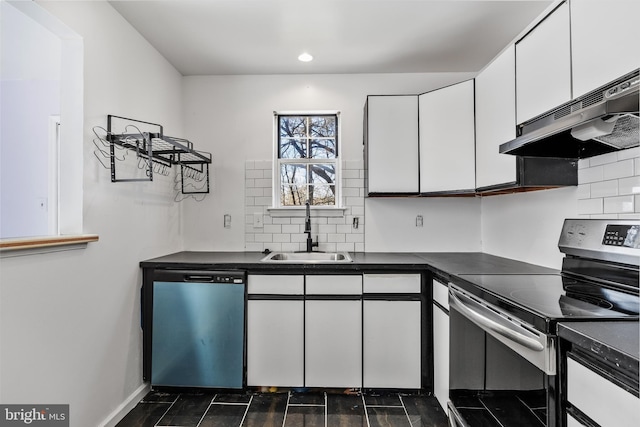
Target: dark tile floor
x,y
287,409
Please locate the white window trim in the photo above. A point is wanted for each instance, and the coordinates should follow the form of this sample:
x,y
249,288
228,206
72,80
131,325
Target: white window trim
x,y
295,211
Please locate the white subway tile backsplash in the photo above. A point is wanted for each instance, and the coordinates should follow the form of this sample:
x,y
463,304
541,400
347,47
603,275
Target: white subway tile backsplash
x,y
261,237
609,185
629,216
253,173
590,174
273,229
590,206
287,233
584,191
282,238
604,159
629,185
629,153
621,169
329,228
336,238
620,204
604,188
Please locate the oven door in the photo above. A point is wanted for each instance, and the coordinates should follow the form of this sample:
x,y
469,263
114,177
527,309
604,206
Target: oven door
x,y
502,371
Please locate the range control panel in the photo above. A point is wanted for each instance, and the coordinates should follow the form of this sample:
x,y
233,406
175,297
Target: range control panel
x,y
614,240
622,235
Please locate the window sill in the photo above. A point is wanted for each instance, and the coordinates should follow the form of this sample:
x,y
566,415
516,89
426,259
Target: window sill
x,y
43,244
301,212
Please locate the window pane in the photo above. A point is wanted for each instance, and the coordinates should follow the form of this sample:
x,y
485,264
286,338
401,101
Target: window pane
x,y
323,148
292,126
322,195
322,174
293,195
292,148
323,126
293,174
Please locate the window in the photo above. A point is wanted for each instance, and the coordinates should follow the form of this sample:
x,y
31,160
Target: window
x,y
307,164
42,131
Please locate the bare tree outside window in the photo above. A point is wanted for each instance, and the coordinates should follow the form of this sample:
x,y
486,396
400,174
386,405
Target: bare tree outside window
x,y
307,159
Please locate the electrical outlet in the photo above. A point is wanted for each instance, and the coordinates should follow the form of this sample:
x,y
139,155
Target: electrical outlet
x,y
257,220
419,221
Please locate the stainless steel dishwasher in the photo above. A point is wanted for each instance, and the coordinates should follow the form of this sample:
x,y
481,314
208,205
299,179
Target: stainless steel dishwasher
x,y
198,324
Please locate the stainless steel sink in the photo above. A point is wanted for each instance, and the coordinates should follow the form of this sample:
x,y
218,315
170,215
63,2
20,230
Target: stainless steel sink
x,y
307,257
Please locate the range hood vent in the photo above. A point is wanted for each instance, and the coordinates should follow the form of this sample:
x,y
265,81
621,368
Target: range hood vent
x,y
599,122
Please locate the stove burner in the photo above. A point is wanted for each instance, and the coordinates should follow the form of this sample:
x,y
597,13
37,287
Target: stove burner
x,y
585,293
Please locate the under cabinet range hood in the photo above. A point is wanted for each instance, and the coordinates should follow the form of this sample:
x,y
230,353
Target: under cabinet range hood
x,y
598,122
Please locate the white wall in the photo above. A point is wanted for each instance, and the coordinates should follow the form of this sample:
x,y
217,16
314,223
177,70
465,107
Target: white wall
x,y
449,225
232,116
70,321
526,226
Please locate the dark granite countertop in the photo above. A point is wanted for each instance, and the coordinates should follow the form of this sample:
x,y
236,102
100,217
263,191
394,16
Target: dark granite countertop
x,y
617,343
457,263
442,263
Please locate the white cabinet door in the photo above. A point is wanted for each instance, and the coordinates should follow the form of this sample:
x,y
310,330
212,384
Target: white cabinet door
x,y
601,400
333,343
447,139
441,356
392,144
496,120
275,343
391,339
604,41
543,66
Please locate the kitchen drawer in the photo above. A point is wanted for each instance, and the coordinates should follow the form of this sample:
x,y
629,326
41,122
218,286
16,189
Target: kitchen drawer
x,y
275,285
441,293
334,285
599,399
391,283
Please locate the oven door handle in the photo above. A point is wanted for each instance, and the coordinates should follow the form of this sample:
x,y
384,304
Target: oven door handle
x,y
488,319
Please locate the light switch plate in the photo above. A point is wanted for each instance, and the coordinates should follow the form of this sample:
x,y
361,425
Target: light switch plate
x,y
257,220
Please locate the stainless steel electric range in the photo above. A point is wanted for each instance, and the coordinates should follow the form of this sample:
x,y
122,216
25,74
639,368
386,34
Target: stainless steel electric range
x,y
503,340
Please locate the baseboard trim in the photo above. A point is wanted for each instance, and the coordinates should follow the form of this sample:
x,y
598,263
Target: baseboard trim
x,y
123,409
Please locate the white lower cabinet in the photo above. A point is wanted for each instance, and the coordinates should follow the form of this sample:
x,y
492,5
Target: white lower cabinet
x,y
333,343
598,398
440,344
317,331
275,331
275,342
392,344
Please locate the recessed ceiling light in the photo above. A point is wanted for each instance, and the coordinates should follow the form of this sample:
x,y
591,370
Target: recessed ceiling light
x,y
305,57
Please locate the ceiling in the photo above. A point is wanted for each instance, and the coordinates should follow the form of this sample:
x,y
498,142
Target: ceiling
x,y
222,37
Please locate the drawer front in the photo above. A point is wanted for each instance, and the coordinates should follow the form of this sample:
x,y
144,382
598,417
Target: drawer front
x,y
441,293
599,399
391,283
275,285
334,285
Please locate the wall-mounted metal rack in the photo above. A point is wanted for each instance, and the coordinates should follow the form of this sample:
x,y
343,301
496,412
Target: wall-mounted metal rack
x,y
152,147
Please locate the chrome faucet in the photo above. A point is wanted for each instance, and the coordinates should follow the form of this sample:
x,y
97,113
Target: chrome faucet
x,y
307,228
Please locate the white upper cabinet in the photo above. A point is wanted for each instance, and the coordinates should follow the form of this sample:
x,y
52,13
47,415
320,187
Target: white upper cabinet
x,y
392,144
447,139
604,41
496,120
543,65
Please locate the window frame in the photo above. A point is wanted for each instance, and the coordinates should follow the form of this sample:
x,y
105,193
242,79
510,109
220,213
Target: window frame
x,y
277,161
